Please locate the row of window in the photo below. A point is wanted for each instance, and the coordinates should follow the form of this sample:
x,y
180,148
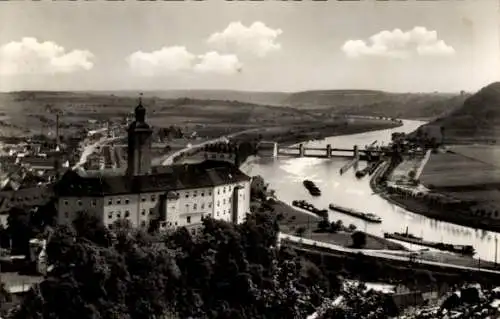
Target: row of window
x,y
127,213
195,193
118,201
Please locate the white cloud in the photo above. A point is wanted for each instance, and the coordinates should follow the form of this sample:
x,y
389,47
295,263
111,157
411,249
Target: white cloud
x,y
165,60
218,63
29,56
257,38
176,59
399,44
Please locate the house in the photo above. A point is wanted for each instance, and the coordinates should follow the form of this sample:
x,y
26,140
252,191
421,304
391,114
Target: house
x,y
174,196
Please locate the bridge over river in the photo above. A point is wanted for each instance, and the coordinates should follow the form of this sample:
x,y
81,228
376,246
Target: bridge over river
x,y
272,149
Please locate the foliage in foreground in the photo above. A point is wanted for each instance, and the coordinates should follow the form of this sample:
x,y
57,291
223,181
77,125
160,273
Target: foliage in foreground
x,y
227,271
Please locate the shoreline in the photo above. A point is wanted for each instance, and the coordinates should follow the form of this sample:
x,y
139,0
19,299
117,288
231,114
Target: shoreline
x,y
380,191
416,206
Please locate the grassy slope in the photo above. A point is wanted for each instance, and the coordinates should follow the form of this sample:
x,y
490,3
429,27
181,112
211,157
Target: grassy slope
x,y
477,120
405,105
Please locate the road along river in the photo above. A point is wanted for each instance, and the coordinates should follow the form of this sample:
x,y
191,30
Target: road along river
x,y
285,176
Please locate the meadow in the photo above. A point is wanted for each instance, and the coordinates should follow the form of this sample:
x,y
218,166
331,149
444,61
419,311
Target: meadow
x,y
467,172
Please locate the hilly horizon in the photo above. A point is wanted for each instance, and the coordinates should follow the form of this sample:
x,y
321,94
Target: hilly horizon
x,y
345,101
477,120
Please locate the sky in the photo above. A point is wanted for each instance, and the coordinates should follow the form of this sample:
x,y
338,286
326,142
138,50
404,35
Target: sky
x,y
399,46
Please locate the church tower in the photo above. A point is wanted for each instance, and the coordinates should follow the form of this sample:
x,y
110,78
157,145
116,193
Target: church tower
x,y
139,144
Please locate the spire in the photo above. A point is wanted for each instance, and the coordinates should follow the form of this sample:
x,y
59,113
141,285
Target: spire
x,y
140,111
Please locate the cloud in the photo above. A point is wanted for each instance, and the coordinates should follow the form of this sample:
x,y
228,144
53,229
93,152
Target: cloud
x,y
257,39
218,63
177,59
166,60
399,44
29,56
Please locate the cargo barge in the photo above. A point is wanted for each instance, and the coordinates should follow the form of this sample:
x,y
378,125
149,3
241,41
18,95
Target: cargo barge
x,y
369,217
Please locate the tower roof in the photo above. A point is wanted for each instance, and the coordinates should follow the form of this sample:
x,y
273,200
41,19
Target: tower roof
x,y
140,111
140,117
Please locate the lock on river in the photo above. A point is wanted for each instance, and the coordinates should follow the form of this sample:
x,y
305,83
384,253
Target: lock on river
x,y
286,174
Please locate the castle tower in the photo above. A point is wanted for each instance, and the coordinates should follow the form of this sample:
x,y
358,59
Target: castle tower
x,y
139,144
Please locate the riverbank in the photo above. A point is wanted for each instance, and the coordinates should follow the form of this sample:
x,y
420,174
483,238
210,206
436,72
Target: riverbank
x,y
416,206
295,220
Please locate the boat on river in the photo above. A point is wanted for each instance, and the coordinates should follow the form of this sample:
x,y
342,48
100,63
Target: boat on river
x,y
310,207
312,188
466,250
369,217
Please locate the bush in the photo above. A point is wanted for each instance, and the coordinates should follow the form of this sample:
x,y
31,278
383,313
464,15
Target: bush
x,y
358,239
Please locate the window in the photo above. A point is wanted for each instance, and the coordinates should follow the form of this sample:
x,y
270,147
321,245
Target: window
x,y
143,199
224,189
118,214
94,202
79,203
143,223
218,203
66,214
151,211
118,201
195,193
65,202
209,193
218,191
203,206
188,219
209,205
194,206
127,214
224,201
193,231
110,202
110,215
153,198
127,201
217,214
202,194
187,194
187,207
143,212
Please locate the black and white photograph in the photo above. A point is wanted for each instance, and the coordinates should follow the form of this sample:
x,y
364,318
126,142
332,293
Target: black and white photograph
x,y
249,159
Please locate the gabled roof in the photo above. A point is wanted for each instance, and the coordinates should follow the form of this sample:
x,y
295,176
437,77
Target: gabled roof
x,y
172,178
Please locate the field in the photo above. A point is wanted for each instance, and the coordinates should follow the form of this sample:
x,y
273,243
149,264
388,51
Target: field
x,y
467,172
30,113
34,111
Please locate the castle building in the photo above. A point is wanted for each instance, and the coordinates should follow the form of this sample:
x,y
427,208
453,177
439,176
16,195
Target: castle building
x,y
174,196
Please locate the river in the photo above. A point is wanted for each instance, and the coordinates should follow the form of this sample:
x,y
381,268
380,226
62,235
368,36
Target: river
x,y
285,176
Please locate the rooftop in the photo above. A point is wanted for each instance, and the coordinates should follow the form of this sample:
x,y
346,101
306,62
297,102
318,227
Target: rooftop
x,y
163,178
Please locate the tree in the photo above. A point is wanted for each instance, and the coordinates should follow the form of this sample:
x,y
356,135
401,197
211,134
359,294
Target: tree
x,y
358,239
20,230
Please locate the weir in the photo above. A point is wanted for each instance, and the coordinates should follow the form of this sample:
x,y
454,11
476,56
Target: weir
x,y
351,163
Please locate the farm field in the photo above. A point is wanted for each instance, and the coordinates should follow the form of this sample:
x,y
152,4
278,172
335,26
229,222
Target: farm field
x,y
468,173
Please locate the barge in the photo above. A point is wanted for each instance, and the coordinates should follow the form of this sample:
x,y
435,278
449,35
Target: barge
x,y
310,207
312,188
466,250
369,217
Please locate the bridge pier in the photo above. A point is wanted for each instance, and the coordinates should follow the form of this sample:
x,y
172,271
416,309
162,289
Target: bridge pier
x,y
356,152
275,150
328,151
301,150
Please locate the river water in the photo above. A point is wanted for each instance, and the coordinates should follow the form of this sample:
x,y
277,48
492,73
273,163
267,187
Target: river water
x,y
286,174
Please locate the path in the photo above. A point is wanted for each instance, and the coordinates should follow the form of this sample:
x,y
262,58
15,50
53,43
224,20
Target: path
x,y
377,254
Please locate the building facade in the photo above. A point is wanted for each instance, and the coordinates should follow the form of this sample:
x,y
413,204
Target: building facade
x,y
174,196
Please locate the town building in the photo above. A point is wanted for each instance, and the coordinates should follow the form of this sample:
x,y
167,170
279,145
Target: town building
x,y
174,196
